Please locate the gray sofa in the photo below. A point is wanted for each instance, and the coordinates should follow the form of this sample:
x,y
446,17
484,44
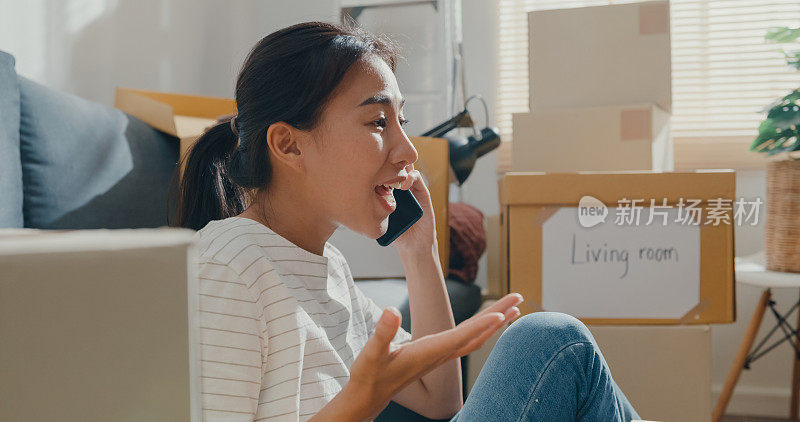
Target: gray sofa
x,y
69,163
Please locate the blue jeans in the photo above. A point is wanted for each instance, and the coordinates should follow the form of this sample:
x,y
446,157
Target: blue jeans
x,y
546,366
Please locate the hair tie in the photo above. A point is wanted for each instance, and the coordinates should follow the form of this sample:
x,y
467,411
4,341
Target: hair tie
x,y
233,125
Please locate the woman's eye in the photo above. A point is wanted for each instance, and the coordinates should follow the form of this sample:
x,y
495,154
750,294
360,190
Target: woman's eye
x,y
382,122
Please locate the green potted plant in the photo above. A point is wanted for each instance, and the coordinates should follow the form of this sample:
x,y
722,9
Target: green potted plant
x,y
779,138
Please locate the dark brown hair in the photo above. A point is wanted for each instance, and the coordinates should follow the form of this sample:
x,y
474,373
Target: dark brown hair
x,y
288,76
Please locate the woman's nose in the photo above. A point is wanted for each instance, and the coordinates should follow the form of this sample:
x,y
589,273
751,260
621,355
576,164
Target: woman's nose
x,y
403,153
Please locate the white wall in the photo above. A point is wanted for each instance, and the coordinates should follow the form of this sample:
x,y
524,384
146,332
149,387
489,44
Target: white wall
x,y
88,47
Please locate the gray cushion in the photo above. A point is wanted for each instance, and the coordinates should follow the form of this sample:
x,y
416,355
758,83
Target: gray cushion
x,y
86,165
10,166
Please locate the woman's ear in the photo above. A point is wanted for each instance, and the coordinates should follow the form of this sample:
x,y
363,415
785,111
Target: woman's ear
x,y
283,140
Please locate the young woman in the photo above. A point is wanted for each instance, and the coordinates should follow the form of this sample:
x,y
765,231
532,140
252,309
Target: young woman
x,y
286,335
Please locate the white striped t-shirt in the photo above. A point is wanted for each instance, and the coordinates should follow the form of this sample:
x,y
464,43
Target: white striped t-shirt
x,y
280,326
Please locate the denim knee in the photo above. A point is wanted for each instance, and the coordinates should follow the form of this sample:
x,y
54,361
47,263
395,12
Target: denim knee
x,y
550,326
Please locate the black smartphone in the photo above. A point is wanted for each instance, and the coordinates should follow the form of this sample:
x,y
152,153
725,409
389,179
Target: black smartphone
x,y
404,216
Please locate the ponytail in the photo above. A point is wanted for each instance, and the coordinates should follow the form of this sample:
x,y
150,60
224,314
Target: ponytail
x,y
208,189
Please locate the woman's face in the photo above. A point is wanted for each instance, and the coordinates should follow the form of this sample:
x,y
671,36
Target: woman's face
x,y
358,147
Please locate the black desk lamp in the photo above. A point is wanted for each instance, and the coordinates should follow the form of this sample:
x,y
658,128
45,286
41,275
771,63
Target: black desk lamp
x,y
465,150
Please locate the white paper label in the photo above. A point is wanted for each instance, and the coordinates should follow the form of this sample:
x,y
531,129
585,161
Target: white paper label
x,y
619,271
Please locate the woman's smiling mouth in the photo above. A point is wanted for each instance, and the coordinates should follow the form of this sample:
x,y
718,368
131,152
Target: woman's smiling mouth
x,y
385,195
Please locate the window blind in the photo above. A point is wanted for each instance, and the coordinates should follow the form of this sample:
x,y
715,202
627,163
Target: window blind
x,y
723,71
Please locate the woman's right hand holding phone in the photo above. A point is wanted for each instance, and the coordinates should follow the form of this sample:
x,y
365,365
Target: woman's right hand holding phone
x,y
382,368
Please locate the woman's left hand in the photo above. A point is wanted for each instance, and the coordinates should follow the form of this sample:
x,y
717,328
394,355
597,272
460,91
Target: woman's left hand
x,y
422,235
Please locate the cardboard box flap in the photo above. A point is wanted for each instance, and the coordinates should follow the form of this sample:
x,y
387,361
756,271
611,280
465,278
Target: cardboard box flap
x,y
548,188
189,126
639,106
37,241
152,112
179,115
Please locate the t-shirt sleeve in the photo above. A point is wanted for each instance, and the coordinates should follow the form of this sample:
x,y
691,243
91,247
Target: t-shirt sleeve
x,y
232,345
372,313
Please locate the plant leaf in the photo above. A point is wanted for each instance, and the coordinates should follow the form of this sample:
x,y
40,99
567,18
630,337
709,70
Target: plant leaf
x,y
793,58
783,34
786,114
767,134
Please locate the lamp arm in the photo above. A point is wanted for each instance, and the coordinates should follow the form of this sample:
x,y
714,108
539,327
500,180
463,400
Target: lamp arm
x,y
450,124
485,107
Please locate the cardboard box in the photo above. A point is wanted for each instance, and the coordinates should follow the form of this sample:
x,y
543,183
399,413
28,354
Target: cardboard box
x,y
185,117
665,371
607,138
102,320
602,55
494,286
366,259
572,242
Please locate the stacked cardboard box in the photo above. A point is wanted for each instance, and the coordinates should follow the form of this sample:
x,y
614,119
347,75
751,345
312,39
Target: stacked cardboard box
x,y
600,99
632,137
600,80
647,291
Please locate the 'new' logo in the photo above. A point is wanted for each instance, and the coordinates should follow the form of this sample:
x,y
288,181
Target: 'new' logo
x,y
591,211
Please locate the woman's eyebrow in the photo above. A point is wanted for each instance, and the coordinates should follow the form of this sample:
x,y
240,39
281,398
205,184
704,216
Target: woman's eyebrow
x,y
381,99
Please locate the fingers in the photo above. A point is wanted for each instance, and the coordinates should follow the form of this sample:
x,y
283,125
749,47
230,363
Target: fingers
x,y
410,168
476,342
443,345
426,353
409,180
511,314
414,176
472,333
387,325
385,330
504,303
